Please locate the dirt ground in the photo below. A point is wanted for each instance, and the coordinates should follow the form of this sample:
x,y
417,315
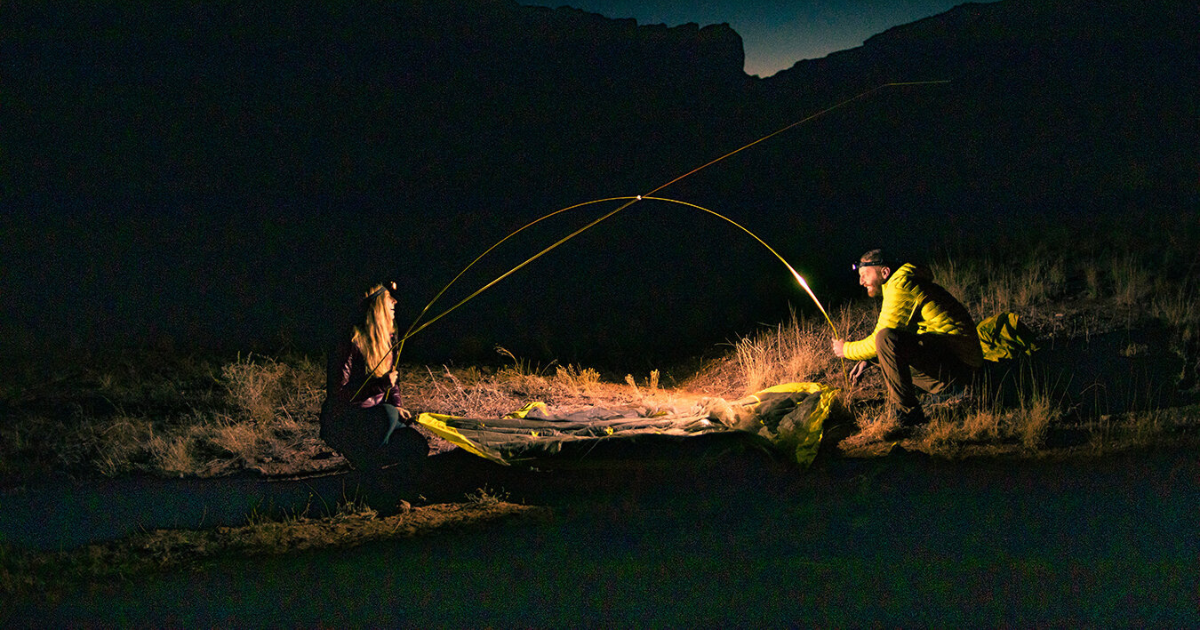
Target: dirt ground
x,y
708,533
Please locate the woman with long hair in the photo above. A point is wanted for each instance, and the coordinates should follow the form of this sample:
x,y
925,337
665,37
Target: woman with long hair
x,y
362,417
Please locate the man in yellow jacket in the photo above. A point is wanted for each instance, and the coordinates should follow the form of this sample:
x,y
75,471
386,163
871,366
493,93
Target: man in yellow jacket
x,y
924,338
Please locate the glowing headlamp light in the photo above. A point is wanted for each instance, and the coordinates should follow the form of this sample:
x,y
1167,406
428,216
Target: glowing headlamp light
x,y
869,263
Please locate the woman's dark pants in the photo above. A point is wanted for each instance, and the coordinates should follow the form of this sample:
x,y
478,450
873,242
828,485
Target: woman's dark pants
x,y
372,437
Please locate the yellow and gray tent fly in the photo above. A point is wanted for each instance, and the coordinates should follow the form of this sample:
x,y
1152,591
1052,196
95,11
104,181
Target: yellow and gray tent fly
x,y
1005,336
791,416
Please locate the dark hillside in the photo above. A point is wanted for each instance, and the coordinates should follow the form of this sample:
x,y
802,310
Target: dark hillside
x,y
1053,105
324,98
227,173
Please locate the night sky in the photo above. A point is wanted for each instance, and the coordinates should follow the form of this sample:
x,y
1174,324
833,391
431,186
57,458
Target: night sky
x,y
778,33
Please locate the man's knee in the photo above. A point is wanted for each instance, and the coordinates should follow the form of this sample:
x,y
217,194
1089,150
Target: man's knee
x,y
887,340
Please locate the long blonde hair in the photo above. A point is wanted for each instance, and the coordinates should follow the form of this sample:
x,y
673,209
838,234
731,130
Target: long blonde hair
x,y
373,335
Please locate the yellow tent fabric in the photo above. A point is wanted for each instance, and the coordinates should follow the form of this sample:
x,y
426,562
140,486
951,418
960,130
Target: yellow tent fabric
x,y
1003,336
441,425
790,415
527,409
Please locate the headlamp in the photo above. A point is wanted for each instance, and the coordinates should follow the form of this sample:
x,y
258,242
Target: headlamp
x,y
869,263
388,287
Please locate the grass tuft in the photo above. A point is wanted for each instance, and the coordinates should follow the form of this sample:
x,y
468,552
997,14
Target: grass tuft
x,y
571,377
796,351
1131,281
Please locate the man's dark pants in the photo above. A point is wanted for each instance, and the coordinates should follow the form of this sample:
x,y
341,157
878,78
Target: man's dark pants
x,y
926,361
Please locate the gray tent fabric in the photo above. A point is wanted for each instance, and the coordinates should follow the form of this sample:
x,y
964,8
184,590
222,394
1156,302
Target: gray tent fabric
x,y
540,435
791,416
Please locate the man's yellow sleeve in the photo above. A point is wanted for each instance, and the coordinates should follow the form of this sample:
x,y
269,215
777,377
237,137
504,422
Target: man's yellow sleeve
x,y
899,301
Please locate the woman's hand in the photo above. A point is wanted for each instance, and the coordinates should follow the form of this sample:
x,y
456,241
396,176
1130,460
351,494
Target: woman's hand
x,y
404,413
391,377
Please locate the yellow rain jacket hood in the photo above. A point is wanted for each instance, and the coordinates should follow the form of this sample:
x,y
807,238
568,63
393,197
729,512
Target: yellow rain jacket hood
x,y
914,303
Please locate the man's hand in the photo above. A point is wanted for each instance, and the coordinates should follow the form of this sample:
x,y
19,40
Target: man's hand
x,y
859,370
837,348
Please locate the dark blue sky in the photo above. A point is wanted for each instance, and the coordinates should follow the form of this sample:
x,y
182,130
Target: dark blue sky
x,y
777,33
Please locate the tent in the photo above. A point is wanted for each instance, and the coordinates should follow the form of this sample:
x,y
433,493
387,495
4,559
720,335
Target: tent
x,y
790,416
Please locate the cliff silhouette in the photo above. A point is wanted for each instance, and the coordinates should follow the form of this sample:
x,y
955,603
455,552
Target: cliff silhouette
x,y
228,171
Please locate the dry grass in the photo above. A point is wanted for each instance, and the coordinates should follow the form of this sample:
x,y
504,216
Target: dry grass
x,y
799,350
1179,309
1131,281
792,352
872,423
352,523
162,413
573,378
473,392
263,415
651,385
211,421
965,430
1026,425
991,286
1037,280
486,392
1142,429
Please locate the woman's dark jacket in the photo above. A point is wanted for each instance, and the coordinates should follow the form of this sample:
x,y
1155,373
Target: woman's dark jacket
x,y
344,375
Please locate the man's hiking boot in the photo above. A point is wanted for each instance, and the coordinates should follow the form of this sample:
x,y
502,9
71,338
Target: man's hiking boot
x,y
906,425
